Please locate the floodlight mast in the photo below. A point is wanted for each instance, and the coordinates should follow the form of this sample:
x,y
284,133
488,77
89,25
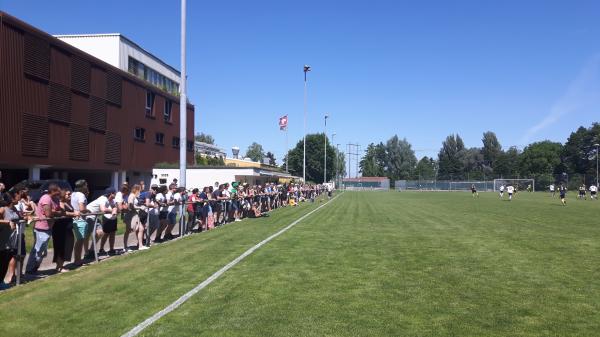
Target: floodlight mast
x,y
306,70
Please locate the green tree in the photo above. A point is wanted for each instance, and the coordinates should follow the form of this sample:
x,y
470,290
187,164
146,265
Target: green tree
x,y
540,158
271,158
255,152
341,164
373,163
491,149
315,149
205,138
401,159
425,169
579,152
450,158
507,163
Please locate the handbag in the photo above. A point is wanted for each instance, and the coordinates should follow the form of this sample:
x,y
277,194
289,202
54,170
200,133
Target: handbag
x,y
14,240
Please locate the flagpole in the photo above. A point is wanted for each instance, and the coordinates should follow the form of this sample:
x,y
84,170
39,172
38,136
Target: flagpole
x,y
286,149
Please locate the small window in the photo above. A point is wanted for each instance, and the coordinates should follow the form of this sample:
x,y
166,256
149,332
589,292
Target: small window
x,y
168,106
149,103
190,146
175,143
139,134
160,138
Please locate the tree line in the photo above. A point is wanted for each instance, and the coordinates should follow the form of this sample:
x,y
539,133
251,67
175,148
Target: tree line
x,y
544,161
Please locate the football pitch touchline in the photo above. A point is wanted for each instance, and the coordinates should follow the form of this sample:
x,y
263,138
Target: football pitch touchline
x,y
138,328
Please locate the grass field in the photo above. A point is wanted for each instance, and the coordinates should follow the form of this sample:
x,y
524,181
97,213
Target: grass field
x,y
368,264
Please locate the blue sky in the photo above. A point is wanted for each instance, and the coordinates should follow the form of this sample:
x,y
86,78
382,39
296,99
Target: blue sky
x,y
528,70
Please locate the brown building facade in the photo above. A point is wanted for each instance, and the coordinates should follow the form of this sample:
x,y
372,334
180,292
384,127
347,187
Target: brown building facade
x,y
65,114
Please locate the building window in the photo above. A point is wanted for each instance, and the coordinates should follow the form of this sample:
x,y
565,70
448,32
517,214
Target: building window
x,y
168,106
190,146
149,103
160,138
175,142
139,134
152,76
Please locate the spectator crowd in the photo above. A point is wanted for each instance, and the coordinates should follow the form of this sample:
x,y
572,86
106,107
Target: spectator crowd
x,y
80,227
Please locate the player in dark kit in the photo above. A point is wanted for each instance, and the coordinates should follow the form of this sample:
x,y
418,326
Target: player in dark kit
x,y
474,191
562,190
582,192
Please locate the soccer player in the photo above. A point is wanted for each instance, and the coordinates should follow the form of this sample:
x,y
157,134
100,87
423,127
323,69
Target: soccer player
x,y
562,190
552,190
593,191
510,189
529,188
582,190
501,191
474,191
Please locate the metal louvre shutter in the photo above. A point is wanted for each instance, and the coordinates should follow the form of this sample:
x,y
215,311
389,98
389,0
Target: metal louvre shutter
x,y
36,57
97,114
35,135
114,88
113,148
80,74
79,143
59,103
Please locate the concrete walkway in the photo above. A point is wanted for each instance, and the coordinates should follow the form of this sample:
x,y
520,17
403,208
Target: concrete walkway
x,y
48,268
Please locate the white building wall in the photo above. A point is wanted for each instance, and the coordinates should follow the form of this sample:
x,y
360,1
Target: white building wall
x,y
203,177
115,50
105,47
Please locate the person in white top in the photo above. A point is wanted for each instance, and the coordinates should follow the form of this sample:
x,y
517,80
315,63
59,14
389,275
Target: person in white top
x,y
163,211
552,190
501,191
174,201
80,227
593,192
108,222
510,189
104,228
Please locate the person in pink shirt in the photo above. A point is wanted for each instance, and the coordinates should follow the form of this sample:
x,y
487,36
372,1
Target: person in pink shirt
x,y
48,207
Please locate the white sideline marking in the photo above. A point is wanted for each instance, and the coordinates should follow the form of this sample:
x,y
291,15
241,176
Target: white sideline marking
x,y
138,328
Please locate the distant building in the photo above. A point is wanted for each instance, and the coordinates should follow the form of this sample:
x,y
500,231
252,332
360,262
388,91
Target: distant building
x,y
206,149
66,114
200,177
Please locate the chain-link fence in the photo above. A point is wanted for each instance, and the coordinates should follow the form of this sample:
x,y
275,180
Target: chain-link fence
x,y
443,185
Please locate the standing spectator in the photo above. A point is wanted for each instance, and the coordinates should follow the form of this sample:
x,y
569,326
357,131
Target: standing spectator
x,y
151,207
47,208
121,199
204,208
161,202
132,219
174,202
193,204
109,221
26,210
80,226
8,223
62,232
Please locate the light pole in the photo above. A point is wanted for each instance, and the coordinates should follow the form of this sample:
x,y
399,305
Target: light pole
x,y
335,159
183,104
325,156
337,173
597,145
306,70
